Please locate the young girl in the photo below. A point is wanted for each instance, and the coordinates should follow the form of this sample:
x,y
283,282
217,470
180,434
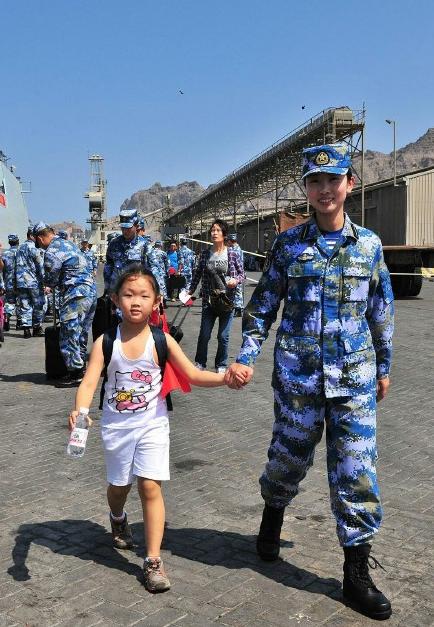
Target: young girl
x,y
134,423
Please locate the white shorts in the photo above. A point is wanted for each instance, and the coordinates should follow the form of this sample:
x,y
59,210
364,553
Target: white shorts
x,y
140,452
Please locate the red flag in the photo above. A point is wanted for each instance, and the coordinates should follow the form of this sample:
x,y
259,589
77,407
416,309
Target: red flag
x,y
2,199
173,380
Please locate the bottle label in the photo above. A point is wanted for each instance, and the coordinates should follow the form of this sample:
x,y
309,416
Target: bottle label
x,y
78,437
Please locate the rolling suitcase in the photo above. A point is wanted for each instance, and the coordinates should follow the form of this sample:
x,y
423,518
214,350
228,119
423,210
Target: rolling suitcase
x,y
55,367
175,330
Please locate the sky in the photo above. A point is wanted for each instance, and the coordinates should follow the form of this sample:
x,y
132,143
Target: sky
x,y
79,77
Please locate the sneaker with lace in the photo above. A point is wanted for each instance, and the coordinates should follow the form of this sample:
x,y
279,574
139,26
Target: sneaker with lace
x,y
121,533
199,366
155,578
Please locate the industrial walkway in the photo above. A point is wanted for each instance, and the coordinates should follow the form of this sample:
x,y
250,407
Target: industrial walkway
x,y
57,566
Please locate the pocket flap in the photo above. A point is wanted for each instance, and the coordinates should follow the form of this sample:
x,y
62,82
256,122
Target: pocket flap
x,y
354,343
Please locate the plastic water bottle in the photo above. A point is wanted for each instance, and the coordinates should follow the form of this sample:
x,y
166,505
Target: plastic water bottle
x,y
77,439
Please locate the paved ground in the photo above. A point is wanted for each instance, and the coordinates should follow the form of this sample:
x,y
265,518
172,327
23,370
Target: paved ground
x,y
56,563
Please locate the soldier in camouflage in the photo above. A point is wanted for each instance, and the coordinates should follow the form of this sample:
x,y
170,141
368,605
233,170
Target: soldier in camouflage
x,y
29,280
332,362
187,260
90,256
124,249
239,290
155,259
68,270
9,278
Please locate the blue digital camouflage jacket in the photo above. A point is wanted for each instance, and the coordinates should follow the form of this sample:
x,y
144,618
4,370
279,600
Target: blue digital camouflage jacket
x,y
9,257
29,266
120,253
67,268
337,319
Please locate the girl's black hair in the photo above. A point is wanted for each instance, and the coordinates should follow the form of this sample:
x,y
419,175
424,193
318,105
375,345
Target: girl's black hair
x,y
223,225
136,269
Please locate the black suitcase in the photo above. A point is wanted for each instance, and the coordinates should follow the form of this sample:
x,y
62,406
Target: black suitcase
x,y
175,329
104,317
55,367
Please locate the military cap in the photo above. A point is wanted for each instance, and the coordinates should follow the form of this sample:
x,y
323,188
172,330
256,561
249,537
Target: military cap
x,y
128,218
158,242
328,158
39,226
62,233
13,237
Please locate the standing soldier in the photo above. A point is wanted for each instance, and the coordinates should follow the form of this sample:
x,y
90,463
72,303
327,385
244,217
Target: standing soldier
x,y
331,365
123,249
239,290
67,269
90,256
9,279
29,279
187,261
156,261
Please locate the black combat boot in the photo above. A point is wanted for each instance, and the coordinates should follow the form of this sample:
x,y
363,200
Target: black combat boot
x,y
268,540
6,323
38,331
27,332
359,590
71,379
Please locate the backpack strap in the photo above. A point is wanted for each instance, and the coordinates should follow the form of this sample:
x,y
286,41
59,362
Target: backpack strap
x,y
107,350
161,348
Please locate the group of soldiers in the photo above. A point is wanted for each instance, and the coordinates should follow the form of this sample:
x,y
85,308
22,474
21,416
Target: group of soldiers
x,y
48,271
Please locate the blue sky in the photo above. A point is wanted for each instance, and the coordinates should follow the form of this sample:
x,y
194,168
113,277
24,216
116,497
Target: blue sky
x,y
85,76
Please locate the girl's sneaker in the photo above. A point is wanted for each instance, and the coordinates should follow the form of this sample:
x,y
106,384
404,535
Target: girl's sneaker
x,y
121,534
155,578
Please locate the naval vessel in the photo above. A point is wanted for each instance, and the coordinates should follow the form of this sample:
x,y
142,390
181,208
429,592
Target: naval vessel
x,y
13,211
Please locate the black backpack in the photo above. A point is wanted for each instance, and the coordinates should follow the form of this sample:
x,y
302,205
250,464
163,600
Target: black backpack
x,y
160,346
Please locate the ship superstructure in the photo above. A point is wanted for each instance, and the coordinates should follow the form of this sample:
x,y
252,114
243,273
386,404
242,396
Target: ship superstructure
x,y
13,211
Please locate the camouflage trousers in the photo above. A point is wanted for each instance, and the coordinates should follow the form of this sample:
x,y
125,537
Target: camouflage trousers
x,y
75,321
10,302
31,306
351,457
188,278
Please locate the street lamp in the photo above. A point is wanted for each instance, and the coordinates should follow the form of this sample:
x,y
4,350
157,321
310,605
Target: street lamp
x,y
394,149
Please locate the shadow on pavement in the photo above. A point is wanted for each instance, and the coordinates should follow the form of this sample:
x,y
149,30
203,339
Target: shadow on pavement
x,y
90,541
84,539
235,550
38,378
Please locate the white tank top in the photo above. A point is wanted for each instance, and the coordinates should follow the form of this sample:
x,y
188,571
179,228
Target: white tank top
x,y
132,391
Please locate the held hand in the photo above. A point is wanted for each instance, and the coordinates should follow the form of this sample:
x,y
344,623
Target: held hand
x,y
231,283
382,388
72,418
238,375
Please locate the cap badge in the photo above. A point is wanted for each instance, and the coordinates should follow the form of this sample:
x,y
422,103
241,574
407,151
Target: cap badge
x,y
322,158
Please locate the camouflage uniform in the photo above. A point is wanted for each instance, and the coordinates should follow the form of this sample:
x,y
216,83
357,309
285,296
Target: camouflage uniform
x,y
333,343
9,279
239,290
29,274
66,268
156,260
120,253
187,260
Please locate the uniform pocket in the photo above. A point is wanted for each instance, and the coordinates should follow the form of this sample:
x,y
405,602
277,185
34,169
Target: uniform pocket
x,y
304,282
356,343
355,283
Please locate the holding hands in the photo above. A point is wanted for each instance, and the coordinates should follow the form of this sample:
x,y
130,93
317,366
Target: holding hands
x,y
238,375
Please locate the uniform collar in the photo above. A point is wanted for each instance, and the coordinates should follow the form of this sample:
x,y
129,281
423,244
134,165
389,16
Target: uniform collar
x,y
311,230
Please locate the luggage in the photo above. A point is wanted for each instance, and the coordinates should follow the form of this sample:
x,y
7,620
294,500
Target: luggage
x,y
55,367
104,317
176,330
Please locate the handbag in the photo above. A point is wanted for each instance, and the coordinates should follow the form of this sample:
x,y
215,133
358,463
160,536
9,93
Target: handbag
x,y
220,303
